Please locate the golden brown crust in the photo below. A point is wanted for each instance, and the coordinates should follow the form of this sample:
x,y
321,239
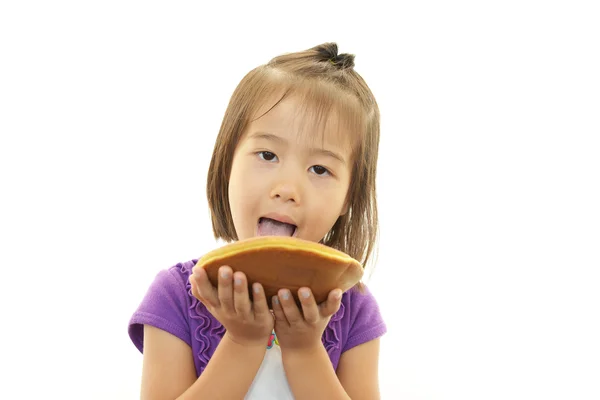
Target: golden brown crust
x,y
283,262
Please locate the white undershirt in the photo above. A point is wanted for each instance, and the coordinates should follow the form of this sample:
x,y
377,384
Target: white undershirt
x,y
270,381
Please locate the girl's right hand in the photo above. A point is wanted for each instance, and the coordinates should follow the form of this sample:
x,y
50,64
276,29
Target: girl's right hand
x,y
246,322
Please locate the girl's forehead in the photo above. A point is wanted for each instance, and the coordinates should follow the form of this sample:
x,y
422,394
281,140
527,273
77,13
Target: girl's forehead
x,y
314,123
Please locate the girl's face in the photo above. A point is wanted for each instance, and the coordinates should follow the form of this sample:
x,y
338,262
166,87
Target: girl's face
x,y
286,181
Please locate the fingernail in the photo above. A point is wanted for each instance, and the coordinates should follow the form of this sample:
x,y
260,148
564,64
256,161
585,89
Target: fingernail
x,y
225,274
305,293
238,281
256,288
337,294
285,295
275,300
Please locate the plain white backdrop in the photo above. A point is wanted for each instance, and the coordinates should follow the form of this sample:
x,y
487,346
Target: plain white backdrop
x,y
489,182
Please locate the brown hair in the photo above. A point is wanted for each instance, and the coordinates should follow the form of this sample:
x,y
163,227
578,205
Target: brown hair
x,y
327,82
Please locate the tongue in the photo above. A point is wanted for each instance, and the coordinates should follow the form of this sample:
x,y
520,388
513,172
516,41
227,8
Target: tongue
x,y
269,227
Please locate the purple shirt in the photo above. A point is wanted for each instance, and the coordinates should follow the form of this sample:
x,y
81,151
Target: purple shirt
x,y
169,305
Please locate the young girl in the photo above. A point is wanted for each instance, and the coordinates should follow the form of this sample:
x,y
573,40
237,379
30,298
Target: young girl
x,y
296,155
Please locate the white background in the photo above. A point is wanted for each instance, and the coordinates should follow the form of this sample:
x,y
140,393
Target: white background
x,y
489,182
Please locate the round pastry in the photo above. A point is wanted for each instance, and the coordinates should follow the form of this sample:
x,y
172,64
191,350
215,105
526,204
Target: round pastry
x,y
278,262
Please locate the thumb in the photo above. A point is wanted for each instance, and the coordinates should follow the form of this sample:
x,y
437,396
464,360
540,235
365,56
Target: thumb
x,y
332,304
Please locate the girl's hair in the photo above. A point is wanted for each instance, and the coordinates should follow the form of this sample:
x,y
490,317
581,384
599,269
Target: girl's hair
x,y
328,86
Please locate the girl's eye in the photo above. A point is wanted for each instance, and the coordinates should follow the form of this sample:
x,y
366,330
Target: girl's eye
x,y
319,170
267,155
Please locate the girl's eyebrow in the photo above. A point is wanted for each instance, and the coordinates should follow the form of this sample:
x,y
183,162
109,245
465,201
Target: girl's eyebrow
x,y
275,138
267,136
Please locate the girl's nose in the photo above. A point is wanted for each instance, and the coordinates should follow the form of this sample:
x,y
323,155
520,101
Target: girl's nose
x,y
286,191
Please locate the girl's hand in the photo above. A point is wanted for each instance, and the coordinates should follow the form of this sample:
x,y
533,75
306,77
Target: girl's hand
x,y
246,322
302,329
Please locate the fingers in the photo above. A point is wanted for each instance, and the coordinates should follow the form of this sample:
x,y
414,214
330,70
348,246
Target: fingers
x,y
332,304
309,306
225,289
278,311
259,301
202,289
285,308
231,295
241,299
288,304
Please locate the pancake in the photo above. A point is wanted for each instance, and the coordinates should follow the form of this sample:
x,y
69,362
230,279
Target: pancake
x,y
279,262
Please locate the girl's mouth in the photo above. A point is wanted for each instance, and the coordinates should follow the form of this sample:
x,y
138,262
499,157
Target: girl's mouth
x,y
271,227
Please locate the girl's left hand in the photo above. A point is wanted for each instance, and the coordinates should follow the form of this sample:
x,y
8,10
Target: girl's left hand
x,y
302,329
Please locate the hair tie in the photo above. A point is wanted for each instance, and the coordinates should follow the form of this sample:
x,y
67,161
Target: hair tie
x,y
331,61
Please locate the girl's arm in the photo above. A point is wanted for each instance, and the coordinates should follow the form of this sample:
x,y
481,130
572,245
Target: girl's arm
x,y
358,371
311,375
169,372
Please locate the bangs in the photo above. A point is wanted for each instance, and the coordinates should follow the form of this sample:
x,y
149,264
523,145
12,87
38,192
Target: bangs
x,y
323,108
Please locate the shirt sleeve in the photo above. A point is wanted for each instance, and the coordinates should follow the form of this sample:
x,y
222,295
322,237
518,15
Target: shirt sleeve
x,y
365,322
164,306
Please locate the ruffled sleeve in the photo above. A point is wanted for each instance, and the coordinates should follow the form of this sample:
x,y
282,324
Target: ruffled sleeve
x,y
164,306
332,336
170,305
207,330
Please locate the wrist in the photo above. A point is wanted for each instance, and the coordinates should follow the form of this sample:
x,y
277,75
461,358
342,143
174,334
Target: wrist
x,y
246,344
302,352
